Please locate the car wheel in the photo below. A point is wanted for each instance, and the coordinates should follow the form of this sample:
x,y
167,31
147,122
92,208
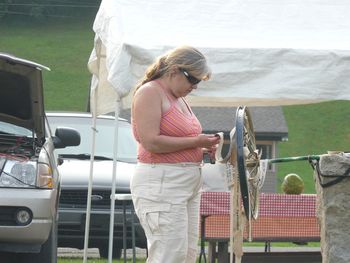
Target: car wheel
x,y
117,252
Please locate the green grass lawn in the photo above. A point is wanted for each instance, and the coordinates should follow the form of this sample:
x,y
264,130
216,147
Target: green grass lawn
x,y
314,129
65,47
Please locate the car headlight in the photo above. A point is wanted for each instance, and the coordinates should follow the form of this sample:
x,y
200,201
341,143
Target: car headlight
x,y
45,179
45,175
18,173
27,173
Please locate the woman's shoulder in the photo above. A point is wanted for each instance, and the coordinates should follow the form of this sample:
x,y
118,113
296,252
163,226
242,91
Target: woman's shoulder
x,y
149,89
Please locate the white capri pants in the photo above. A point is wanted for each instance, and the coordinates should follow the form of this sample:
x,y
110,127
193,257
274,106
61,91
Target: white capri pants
x,y
166,198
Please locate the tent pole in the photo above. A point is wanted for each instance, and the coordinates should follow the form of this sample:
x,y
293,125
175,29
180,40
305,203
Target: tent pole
x,y
88,206
114,173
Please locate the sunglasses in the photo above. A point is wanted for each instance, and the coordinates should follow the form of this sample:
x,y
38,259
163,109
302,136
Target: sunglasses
x,y
190,78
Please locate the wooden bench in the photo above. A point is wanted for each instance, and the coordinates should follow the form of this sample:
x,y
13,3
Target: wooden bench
x,y
282,218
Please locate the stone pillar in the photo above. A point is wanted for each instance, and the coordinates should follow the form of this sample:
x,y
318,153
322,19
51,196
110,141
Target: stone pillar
x,y
333,206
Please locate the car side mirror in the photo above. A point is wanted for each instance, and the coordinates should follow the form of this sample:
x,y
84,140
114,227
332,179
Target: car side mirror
x,y
65,137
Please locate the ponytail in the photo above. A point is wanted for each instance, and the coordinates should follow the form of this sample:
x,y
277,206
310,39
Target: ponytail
x,y
154,71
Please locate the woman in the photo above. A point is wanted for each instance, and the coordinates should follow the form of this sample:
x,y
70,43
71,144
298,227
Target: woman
x,y
167,179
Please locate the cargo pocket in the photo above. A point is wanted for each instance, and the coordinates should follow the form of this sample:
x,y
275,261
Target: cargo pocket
x,y
151,218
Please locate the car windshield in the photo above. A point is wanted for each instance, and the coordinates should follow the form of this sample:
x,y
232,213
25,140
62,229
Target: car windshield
x,y
126,150
8,128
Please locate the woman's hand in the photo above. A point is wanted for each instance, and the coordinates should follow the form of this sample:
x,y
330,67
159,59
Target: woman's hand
x,y
208,141
210,151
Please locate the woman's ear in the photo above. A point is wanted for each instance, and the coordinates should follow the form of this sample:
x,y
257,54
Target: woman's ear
x,y
173,70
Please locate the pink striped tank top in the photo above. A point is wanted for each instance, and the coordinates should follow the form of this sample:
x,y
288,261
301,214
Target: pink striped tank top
x,y
176,124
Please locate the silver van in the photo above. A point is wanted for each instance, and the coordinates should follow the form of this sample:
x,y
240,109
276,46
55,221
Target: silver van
x,y
29,178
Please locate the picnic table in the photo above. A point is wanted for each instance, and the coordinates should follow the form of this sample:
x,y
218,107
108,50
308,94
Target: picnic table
x,y
282,218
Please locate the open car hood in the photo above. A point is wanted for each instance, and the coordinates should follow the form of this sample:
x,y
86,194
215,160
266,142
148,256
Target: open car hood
x,y
21,93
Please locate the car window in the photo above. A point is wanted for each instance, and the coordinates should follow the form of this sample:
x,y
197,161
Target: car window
x,y
126,150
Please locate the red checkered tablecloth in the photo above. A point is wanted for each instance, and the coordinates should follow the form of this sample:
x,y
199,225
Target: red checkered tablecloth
x,y
215,203
287,205
281,216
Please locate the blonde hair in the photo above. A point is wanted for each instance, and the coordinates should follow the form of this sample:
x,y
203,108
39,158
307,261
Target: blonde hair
x,y
185,57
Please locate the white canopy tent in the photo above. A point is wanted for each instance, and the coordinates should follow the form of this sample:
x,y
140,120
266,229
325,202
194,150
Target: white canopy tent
x,y
265,52
261,52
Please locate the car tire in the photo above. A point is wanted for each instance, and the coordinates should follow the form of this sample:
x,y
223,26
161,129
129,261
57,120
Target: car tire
x,y
116,254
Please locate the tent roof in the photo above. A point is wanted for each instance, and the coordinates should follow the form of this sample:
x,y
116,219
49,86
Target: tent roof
x,y
261,52
220,24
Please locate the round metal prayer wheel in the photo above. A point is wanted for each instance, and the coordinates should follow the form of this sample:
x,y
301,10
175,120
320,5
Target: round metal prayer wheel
x,y
247,162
